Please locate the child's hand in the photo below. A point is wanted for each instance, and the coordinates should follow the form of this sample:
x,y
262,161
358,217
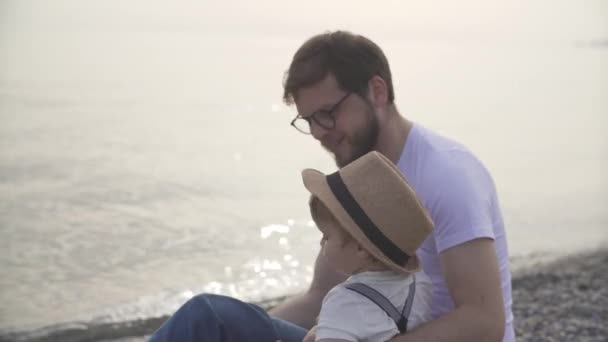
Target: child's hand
x,y
310,335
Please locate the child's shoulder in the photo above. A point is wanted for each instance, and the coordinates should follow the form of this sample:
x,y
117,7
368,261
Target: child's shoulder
x,y
422,278
343,297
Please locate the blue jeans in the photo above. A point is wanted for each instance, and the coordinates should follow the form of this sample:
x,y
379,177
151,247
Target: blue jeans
x,y
214,318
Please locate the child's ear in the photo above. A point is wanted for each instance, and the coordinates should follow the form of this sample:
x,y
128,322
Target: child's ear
x,y
362,253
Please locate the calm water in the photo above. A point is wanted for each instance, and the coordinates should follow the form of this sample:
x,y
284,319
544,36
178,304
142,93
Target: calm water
x,y
145,154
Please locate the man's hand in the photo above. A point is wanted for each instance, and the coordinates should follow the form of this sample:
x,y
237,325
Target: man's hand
x,y
310,335
473,279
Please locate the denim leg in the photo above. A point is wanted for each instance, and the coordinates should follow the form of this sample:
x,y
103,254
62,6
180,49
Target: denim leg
x,y
216,318
288,331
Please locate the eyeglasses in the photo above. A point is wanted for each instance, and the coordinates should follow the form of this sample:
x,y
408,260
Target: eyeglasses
x,y
323,117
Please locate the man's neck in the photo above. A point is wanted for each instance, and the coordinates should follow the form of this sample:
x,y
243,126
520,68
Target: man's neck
x,y
393,135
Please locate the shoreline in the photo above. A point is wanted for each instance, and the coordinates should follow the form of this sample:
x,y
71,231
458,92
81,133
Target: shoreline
x,y
556,298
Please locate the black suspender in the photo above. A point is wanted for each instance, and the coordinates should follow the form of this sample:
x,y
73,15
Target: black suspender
x,y
376,297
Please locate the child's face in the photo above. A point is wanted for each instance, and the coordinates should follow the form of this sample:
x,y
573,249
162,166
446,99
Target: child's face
x,y
341,250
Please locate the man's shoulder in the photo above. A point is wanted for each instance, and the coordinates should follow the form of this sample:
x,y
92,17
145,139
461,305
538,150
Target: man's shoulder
x,y
436,160
438,151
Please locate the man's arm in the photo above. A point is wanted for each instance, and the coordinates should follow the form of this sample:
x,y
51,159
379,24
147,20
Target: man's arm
x,y
473,280
303,309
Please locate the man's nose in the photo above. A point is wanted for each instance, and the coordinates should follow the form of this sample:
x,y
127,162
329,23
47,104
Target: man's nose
x,y
317,131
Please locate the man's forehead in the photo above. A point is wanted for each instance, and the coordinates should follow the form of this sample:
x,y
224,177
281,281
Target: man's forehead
x,y
323,93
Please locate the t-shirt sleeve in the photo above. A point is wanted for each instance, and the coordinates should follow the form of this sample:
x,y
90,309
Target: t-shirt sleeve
x,y
349,316
461,203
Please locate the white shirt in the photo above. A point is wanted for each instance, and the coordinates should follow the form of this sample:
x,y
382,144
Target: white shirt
x,y
350,316
461,198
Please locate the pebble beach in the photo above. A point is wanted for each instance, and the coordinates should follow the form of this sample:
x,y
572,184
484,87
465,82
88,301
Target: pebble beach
x,y
566,300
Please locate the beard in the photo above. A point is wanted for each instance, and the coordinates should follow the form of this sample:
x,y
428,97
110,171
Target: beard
x,y
362,141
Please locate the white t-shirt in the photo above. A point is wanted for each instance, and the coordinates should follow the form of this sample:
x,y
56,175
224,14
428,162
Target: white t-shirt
x,y
348,315
461,198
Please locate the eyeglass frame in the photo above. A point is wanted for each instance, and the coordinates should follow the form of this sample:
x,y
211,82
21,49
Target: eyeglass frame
x,y
331,112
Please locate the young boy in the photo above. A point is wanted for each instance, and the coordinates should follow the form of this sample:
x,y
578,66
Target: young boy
x,y
372,223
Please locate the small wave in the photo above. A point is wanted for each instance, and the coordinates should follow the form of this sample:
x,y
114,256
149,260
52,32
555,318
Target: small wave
x,y
93,331
86,331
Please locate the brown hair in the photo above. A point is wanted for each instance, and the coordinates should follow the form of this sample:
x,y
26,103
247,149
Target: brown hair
x,y
352,59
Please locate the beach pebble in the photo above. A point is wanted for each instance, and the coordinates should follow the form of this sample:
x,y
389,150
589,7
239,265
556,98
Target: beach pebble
x,y
563,301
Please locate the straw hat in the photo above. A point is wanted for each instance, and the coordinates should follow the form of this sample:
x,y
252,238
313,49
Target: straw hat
x,y
372,200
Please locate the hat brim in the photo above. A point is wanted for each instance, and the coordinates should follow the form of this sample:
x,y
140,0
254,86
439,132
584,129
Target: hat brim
x,y
316,183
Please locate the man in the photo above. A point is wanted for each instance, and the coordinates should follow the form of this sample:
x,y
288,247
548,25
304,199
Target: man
x,y
342,88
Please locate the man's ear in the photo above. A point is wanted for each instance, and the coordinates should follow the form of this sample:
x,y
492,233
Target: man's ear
x,y
378,91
